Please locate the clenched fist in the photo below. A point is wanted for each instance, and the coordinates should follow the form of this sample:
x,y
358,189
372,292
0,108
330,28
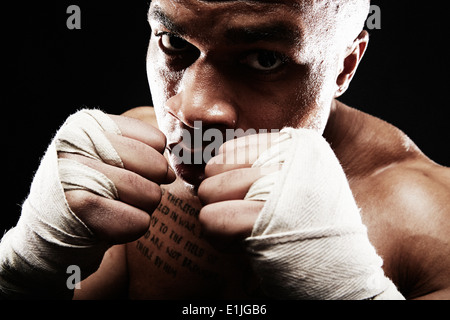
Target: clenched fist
x,y
226,216
96,186
140,148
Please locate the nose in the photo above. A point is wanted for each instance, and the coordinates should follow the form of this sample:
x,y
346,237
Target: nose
x,y
204,95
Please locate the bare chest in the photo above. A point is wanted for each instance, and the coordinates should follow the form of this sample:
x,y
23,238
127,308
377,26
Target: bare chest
x,y
174,261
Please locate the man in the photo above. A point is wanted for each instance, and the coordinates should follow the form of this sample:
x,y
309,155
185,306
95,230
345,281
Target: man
x,y
239,65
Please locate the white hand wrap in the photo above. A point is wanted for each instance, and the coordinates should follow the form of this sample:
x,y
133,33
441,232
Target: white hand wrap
x,y
49,237
309,241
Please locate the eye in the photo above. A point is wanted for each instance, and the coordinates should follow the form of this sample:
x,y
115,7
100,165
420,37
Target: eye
x,y
264,60
173,43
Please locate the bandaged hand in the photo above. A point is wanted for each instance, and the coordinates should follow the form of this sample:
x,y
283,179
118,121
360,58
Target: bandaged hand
x,y
227,218
308,240
95,187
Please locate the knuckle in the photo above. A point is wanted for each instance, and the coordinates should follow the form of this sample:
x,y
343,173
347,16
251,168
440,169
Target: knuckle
x,y
129,178
234,175
207,219
216,228
81,201
229,145
139,192
153,195
158,140
203,191
223,228
215,220
161,166
212,189
162,138
212,167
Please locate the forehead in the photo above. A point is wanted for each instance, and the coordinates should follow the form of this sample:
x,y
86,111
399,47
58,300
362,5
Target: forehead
x,y
210,15
220,2
293,6
198,8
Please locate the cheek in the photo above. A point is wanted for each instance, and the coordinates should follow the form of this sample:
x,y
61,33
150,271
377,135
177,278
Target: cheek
x,y
312,99
296,101
163,82
163,85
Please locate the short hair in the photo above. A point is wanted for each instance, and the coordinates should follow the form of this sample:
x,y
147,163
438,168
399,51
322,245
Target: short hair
x,y
354,13
349,15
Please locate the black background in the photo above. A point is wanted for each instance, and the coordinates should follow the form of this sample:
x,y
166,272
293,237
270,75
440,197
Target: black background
x,y
49,72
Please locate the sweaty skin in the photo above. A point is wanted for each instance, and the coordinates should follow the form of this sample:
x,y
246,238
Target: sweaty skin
x,y
287,69
401,192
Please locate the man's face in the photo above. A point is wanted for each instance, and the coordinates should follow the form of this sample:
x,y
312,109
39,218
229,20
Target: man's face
x,y
239,64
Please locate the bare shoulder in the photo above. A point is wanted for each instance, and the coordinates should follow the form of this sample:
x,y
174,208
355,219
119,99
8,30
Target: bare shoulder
x,y
418,180
146,114
408,217
404,199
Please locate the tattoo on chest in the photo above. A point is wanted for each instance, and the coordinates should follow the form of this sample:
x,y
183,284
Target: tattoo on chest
x,y
174,243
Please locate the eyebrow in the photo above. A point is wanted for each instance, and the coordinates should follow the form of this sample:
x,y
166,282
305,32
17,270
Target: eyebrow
x,y
271,32
158,15
277,31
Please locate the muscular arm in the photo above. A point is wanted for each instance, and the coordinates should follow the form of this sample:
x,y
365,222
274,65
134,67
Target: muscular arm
x,y
437,259
408,217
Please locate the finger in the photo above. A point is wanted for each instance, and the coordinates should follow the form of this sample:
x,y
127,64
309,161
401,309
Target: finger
x,y
143,113
240,153
141,131
231,185
142,159
238,158
265,140
109,220
230,220
132,188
